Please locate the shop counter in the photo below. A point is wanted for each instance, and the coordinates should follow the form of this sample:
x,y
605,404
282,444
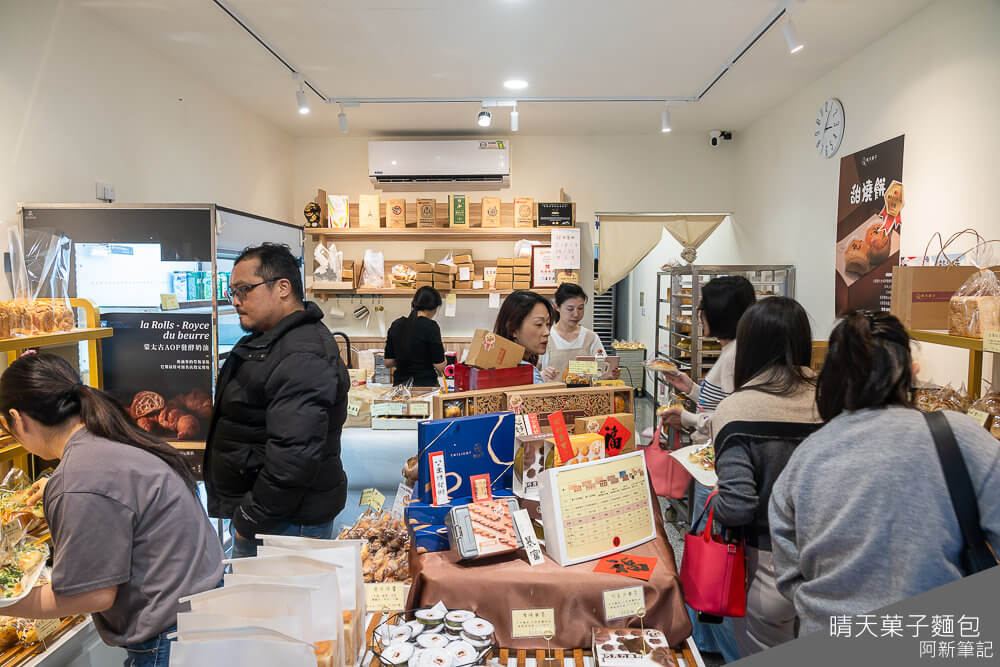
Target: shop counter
x,y
492,587
373,459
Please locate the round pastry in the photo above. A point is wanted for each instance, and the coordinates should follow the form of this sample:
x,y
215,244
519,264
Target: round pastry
x,y
462,652
398,655
415,628
878,244
455,619
429,617
477,643
400,634
432,640
856,257
478,629
436,657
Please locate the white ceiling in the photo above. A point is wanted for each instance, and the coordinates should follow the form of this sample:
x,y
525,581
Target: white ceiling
x,y
467,48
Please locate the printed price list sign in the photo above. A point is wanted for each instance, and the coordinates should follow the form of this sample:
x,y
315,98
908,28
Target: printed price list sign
x,y
386,596
532,623
372,498
624,602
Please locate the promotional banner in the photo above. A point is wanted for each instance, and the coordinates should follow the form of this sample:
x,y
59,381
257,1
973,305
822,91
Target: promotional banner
x,y
868,226
159,366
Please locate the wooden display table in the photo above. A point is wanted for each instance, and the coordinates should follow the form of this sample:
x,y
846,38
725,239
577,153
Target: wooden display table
x,y
492,587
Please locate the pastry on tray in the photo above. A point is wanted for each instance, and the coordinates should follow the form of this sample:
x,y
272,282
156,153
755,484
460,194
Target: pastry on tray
x,y
878,244
856,257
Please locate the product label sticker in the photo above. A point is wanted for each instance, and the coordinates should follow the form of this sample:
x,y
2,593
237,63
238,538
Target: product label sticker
x,y
386,597
450,305
624,602
402,499
388,409
627,565
372,498
991,341
481,489
477,284
520,425
615,436
494,300
561,436
11,532
420,409
169,302
528,538
980,416
44,627
582,367
534,427
532,623
464,273
353,407
439,478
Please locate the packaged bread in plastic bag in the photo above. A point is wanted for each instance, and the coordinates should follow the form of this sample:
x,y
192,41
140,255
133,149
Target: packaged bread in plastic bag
x,y
990,405
975,308
373,272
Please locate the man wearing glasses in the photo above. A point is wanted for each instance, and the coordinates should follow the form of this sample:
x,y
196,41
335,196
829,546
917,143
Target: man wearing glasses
x,y
272,460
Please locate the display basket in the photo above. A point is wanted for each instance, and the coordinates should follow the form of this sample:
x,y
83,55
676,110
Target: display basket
x,y
379,644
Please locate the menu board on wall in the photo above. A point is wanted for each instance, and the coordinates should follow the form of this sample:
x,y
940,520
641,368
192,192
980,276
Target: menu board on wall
x,y
159,366
868,226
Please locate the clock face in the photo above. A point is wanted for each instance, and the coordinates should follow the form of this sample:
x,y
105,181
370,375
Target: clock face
x,y
829,127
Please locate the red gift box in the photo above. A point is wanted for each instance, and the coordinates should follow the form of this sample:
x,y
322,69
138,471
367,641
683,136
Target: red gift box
x,y
468,378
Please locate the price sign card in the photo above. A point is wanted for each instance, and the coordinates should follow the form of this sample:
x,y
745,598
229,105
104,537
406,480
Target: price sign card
x,y
532,623
391,596
979,416
528,538
353,407
44,627
583,368
624,602
566,248
169,302
399,503
991,341
372,498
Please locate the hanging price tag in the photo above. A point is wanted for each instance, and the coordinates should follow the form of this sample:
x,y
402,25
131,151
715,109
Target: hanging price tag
x,y
528,538
991,341
624,602
979,416
353,407
44,627
169,302
561,436
372,498
399,503
532,623
391,596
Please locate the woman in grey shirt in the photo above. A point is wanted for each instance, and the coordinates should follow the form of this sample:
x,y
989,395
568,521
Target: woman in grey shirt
x,y
861,517
129,535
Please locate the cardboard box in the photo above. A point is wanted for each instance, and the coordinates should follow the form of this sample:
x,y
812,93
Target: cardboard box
x,y
488,350
921,294
491,212
582,402
428,538
482,444
464,258
395,423
395,212
524,212
468,378
465,271
615,441
556,214
419,512
503,285
505,261
463,284
586,447
523,271
521,284
420,283
426,213
568,277
424,267
458,211
369,211
425,277
433,255
415,407
524,262
480,402
445,269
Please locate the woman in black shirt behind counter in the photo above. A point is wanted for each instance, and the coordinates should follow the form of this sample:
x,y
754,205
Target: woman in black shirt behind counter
x,y
413,346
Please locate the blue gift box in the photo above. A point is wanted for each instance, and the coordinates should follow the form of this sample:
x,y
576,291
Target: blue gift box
x,y
429,537
471,446
418,512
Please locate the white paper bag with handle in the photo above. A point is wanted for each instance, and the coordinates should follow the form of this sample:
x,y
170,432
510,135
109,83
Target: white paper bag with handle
x,y
256,601
246,647
191,623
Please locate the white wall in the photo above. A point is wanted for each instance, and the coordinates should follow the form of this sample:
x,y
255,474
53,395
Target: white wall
x,y
81,101
629,173
934,79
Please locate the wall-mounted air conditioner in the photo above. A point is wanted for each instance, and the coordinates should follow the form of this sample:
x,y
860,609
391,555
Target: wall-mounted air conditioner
x,y
426,165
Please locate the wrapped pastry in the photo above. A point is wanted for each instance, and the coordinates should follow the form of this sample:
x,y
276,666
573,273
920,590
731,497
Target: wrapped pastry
x,y
8,632
856,257
990,404
975,308
878,244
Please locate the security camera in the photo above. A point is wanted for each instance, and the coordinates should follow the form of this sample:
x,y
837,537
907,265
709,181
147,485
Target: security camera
x,y
717,136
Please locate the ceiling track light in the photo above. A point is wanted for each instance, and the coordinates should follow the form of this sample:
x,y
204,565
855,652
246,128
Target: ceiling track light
x,y
665,121
301,101
513,119
792,37
484,119
342,119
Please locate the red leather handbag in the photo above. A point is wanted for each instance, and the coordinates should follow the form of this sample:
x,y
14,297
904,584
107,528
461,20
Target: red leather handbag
x,y
713,572
670,479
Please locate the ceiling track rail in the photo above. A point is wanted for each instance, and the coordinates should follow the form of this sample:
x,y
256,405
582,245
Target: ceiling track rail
x,y
737,54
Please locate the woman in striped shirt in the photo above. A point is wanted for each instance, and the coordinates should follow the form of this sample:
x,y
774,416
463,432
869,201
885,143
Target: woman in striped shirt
x,y
723,301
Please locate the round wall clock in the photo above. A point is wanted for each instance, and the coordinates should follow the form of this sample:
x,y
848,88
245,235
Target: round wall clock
x,y
829,127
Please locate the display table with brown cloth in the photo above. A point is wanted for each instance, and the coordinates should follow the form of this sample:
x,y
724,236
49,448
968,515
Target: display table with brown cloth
x,y
492,587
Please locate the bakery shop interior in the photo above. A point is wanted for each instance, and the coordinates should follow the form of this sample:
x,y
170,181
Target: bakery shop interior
x,y
499,333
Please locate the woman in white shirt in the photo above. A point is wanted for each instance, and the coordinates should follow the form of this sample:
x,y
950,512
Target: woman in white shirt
x,y
567,339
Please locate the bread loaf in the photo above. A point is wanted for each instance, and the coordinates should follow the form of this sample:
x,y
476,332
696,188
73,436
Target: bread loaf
x,y
970,316
24,318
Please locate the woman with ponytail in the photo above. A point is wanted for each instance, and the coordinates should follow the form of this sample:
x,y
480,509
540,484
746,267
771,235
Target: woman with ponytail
x,y
861,517
413,345
129,535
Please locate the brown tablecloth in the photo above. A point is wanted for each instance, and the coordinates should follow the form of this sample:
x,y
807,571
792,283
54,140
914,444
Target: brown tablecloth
x,y
492,587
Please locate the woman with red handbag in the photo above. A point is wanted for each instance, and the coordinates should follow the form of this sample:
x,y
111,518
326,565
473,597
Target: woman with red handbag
x,y
755,431
883,502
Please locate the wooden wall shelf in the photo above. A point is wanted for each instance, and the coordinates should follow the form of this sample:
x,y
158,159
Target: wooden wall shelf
x,y
369,291
431,234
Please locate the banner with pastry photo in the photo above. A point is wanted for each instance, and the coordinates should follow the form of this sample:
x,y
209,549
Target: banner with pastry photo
x,y
869,221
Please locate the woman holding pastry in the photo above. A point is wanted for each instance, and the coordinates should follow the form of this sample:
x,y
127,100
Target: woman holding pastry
x,y
568,339
526,317
754,432
129,533
413,345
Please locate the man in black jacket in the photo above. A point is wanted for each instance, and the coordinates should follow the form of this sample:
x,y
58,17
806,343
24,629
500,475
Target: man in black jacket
x,y
272,461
